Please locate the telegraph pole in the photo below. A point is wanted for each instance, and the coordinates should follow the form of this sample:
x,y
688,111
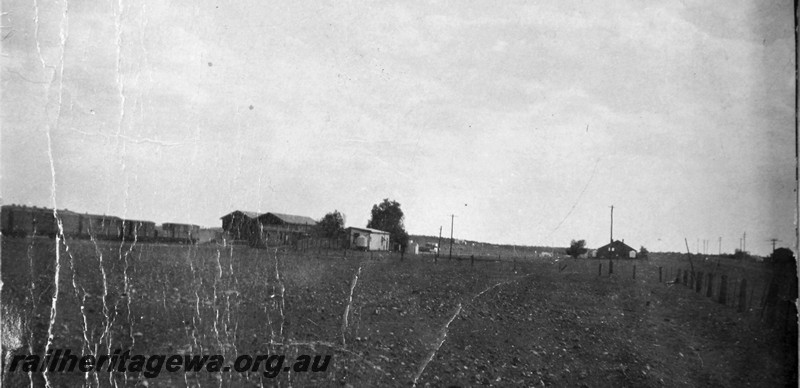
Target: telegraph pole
x,y
452,217
438,246
774,240
612,223
744,242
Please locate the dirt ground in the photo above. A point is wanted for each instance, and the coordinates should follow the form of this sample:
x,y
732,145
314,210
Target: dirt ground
x,y
409,322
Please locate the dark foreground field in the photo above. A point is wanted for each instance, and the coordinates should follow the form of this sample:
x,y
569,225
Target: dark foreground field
x,y
410,322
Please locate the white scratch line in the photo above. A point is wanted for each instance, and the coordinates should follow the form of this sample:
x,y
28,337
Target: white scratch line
x,y
442,337
129,139
349,302
57,275
283,292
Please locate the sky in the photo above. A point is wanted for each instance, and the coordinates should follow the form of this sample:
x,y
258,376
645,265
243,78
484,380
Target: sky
x,y
525,120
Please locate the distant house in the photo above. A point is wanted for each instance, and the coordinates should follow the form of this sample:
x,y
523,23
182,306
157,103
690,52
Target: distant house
x,y
266,228
242,225
367,239
281,229
615,250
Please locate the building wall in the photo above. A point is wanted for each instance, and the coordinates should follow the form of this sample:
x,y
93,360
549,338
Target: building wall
x,y
378,242
274,231
241,227
375,241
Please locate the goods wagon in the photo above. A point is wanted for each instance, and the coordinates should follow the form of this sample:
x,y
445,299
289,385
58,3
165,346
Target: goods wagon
x,y
180,232
28,221
71,222
35,221
101,227
138,230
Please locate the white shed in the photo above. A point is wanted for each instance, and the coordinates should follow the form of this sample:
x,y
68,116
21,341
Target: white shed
x,y
367,239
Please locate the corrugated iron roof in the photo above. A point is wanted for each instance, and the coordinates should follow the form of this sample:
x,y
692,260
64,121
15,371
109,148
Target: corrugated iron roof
x,y
247,214
292,219
369,230
617,243
179,224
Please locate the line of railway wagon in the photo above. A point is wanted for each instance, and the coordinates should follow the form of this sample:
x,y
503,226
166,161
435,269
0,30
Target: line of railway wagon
x,y
41,221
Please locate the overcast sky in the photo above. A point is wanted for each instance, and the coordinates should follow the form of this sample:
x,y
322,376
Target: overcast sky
x,y
526,120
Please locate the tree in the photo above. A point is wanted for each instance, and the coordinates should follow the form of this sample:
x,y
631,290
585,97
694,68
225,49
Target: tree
x,y
332,225
576,248
643,252
781,256
387,216
739,254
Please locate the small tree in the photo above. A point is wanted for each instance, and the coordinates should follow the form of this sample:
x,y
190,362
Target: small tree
x,y
739,254
387,216
576,248
332,225
642,253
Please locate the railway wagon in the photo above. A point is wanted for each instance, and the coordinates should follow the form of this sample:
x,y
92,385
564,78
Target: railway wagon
x,y
16,220
180,232
101,227
90,225
71,222
138,230
28,221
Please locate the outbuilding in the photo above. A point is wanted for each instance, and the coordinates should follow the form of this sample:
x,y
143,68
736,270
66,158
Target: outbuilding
x,y
615,250
367,239
267,228
281,229
242,225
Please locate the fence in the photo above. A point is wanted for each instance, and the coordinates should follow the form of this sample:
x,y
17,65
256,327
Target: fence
x,y
765,293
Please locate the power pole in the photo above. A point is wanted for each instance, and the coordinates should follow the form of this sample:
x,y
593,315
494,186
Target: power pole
x,y
452,217
439,244
612,223
744,242
774,240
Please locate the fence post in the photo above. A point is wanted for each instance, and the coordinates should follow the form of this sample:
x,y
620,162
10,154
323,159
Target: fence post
x,y
791,312
685,277
698,282
344,253
771,302
659,274
610,267
723,289
710,291
634,271
472,260
742,297
599,269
